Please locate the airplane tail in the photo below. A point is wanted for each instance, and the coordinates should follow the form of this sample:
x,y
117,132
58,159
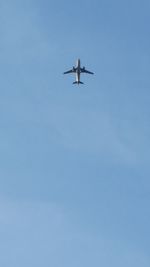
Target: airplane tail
x,y
78,83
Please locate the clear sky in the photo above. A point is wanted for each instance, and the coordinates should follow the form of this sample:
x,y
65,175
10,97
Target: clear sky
x,y
74,160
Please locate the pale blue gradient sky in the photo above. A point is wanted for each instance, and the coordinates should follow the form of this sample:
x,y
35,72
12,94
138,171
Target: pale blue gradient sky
x,y
74,161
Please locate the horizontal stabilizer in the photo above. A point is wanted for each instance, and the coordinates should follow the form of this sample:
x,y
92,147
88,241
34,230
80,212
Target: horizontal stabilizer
x,y
78,83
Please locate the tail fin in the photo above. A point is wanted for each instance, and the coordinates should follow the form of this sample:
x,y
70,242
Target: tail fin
x,y
78,82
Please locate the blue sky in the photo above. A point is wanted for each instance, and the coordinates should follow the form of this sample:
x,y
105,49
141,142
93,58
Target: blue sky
x,y
74,161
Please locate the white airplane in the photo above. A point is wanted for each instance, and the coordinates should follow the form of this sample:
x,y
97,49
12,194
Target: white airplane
x,y
78,70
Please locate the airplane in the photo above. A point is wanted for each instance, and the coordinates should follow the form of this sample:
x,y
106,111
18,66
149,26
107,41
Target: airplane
x,y
78,70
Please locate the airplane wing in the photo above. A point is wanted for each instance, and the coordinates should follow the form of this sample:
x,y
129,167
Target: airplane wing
x,y
70,71
83,70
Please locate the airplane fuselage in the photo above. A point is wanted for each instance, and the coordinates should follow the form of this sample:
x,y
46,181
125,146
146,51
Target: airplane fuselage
x,y
78,71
